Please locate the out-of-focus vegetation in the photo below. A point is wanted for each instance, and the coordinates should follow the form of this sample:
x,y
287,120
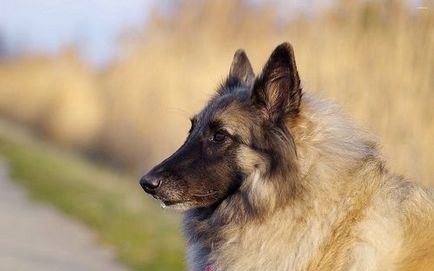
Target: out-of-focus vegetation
x,y
144,237
375,58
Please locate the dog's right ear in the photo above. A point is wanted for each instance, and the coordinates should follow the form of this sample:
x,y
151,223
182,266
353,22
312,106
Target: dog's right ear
x,y
277,89
241,69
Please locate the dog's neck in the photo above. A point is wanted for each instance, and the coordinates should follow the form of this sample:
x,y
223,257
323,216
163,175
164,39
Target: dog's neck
x,y
327,141
329,151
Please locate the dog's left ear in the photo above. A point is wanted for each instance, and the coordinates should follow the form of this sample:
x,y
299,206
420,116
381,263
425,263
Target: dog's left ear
x,y
278,88
241,69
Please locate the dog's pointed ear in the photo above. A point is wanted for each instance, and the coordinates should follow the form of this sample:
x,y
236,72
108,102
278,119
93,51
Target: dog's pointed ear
x,y
241,69
278,87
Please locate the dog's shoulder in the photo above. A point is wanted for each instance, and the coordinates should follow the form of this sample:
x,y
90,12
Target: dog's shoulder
x,y
417,217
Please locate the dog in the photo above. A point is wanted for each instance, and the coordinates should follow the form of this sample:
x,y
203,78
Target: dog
x,y
272,178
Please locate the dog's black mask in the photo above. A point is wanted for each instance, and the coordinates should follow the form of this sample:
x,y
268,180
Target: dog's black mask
x,y
233,136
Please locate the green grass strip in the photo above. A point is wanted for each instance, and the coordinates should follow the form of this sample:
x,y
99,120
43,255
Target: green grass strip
x,y
112,205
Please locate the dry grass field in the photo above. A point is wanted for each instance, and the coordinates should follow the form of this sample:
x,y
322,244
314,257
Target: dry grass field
x,y
374,58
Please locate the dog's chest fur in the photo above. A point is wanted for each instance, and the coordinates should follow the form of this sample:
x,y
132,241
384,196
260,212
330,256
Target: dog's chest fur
x,y
288,240
275,244
324,233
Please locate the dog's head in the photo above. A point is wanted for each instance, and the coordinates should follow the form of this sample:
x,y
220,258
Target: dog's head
x,y
238,140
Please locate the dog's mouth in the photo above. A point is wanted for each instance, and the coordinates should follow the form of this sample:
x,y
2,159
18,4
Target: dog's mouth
x,y
193,200
165,203
168,203
177,204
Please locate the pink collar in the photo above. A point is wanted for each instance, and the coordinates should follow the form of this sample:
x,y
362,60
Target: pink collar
x,y
208,268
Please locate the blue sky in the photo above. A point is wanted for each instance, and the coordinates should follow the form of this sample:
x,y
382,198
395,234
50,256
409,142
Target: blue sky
x,y
47,25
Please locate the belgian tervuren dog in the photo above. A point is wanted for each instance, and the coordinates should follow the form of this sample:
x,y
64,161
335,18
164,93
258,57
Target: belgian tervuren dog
x,y
272,178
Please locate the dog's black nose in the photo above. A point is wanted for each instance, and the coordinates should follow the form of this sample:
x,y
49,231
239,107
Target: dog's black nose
x,y
150,183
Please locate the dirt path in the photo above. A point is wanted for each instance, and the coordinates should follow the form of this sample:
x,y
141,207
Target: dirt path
x,y
36,237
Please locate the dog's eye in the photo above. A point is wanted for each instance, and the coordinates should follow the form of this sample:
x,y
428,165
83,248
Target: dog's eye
x,y
219,136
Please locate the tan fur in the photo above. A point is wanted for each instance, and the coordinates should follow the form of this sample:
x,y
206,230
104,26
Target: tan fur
x,y
349,212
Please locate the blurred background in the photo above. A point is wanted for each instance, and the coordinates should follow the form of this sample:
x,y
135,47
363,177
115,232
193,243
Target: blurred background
x,y
93,93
